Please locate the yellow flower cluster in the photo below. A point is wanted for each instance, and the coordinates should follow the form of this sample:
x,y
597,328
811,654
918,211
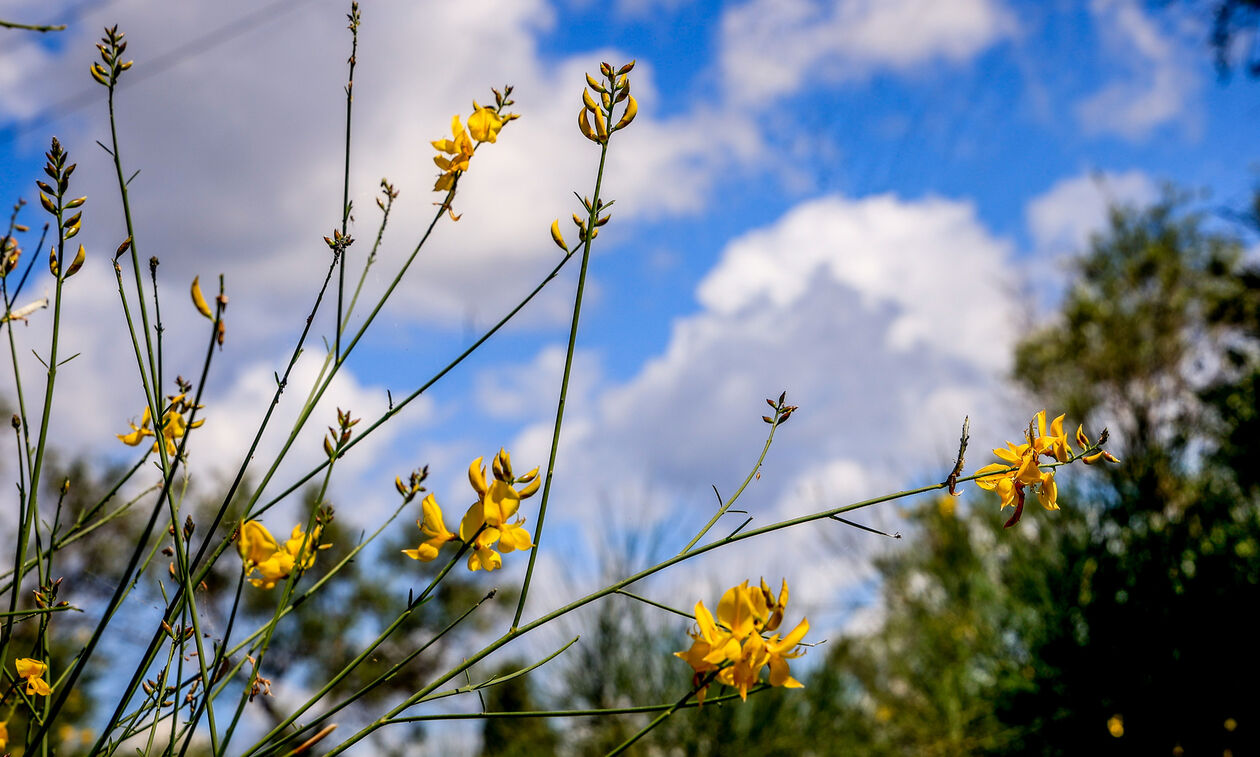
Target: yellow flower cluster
x,y
454,153
732,646
1020,466
488,521
173,425
33,671
272,561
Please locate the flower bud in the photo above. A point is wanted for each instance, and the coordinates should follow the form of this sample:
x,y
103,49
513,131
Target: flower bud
x,y
199,301
556,237
632,110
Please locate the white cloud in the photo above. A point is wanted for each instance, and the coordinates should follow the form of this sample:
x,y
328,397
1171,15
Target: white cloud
x,y
882,317
906,256
1159,85
777,47
240,151
1062,218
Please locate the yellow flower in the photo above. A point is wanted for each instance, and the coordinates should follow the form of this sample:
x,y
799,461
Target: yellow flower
x,y
4,734
454,155
433,529
489,519
138,433
260,552
1055,443
173,426
732,645
484,124
1024,460
33,671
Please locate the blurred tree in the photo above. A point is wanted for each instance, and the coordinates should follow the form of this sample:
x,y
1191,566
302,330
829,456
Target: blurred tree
x,y
1107,626
1234,25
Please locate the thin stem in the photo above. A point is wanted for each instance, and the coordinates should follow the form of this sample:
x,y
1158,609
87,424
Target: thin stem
x,y
521,715
370,685
564,387
121,590
613,588
345,175
751,475
665,714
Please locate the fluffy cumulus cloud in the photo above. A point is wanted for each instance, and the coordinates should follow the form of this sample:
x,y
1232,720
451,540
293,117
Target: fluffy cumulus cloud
x,y
778,47
1062,220
240,147
1158,83
886,319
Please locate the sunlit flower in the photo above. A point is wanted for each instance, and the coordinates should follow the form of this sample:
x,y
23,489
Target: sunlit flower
x,y
732,646
454,155
433,529
273,562
1055,443
484,124
33,671
4,734
1020,466
490,519
173,426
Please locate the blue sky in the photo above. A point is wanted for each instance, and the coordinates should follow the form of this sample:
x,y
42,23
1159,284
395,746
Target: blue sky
x,y
863,203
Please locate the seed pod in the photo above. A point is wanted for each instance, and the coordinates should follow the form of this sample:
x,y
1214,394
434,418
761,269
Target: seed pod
x,y
583,124
199,301
77,263
632,110
556,236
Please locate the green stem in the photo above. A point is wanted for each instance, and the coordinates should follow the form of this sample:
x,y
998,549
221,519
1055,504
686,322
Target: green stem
x,y
665,714
345,174
564,387
641,709
370,685
362,656
751,475
122,589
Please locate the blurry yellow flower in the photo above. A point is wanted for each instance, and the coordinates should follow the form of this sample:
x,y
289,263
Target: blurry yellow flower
x,y
454,155
433,529
484,124
1115,725
33,671
733,645
173,426
274,563
4,735
490,518
138,433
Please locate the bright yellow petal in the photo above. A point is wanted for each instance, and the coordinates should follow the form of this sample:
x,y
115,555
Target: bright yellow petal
x,y
472,521
424,553
477,477
37,686
29,668
256,542
1048,493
